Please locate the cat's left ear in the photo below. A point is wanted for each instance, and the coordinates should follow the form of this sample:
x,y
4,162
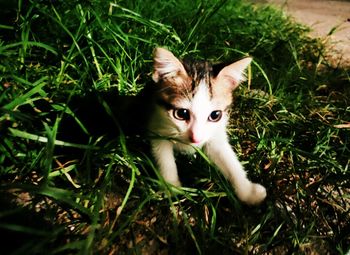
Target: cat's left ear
x,y
165,64
234,74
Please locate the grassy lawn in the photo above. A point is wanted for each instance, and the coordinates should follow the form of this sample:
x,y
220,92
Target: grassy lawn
x,y
65,189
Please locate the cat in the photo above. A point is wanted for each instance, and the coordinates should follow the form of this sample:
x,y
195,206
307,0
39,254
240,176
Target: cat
x,y
191,102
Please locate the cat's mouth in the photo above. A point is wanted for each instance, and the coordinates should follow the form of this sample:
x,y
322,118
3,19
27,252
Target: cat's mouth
x,y
187,141
196,143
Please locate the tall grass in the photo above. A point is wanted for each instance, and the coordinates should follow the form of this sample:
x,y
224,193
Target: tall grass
x,y
103,195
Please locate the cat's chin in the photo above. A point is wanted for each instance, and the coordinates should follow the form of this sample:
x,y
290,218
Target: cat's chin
x,y
188,148
197,145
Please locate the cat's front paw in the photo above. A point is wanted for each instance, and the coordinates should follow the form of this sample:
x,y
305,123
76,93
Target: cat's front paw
x,y
175,182
256,195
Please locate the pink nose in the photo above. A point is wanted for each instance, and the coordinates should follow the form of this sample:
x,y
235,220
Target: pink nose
x,y
194,139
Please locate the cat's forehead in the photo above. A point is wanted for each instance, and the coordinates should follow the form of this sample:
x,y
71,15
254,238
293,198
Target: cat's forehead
x,y
199,73
198,70
200,76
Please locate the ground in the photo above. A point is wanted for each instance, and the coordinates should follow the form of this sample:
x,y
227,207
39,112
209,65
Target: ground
x,y
323,16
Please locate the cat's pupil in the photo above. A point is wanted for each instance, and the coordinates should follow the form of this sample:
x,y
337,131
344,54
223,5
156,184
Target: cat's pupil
x,y
182,114
215,116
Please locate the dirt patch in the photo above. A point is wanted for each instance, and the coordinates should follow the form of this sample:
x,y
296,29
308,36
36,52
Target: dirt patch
x,y
329,20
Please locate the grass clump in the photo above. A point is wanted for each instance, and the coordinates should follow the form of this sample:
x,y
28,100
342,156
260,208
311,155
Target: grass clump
x,y
65,190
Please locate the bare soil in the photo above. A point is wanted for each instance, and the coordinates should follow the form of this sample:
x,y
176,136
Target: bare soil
x,y
328,20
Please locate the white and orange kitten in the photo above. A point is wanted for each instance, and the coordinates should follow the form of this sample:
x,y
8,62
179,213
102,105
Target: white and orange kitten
x,y
191,104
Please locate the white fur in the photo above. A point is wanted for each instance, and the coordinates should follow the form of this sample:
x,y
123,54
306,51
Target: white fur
x,y
199,127
163,151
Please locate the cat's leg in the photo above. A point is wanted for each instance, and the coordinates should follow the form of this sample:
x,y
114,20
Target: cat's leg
x,y
220,152
163,152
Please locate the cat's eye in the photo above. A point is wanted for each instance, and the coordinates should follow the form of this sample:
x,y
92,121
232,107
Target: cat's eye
x,y
181,114
215,116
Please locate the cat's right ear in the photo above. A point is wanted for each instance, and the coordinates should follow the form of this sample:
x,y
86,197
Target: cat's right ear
x,y
165,64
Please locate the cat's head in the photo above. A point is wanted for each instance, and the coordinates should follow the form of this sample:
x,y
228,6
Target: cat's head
x,y
194,97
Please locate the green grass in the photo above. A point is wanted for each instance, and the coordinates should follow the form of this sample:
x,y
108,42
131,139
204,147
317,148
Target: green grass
x,y
108,198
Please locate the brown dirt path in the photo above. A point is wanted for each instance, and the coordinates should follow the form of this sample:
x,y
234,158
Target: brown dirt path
x,y
322,16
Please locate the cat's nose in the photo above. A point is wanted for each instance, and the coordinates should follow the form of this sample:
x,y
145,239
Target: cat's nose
x,y
194,139
195,134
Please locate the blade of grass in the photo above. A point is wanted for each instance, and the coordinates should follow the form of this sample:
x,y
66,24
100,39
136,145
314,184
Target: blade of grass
x,y
42,139
37,88
4,48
